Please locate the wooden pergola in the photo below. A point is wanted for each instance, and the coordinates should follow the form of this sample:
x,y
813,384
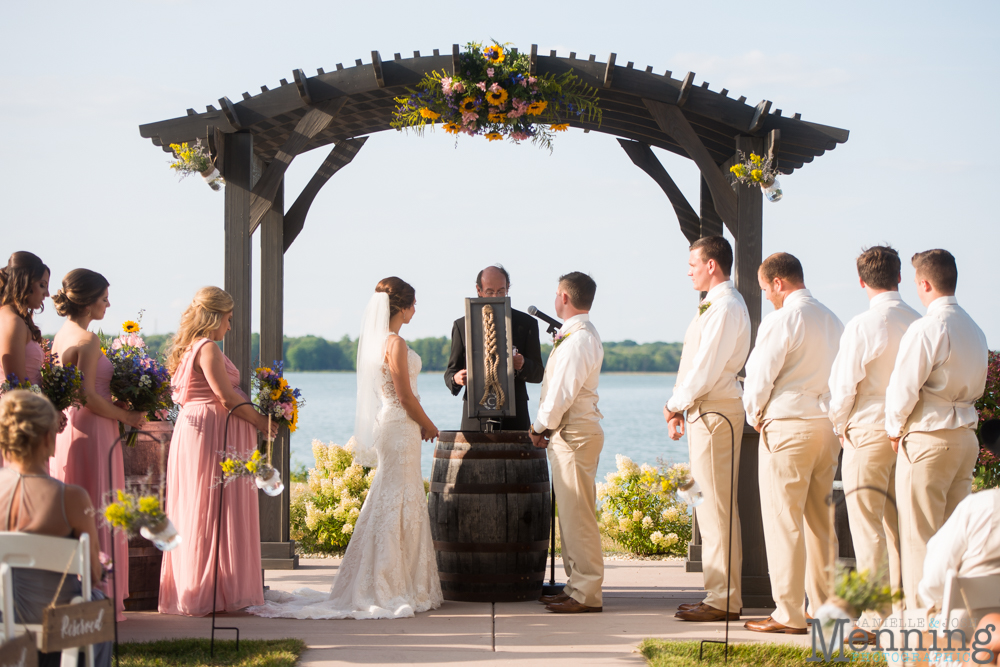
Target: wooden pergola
x,y
254,140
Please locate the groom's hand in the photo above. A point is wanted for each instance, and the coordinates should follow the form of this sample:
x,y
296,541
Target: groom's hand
x,y
539,440
675,426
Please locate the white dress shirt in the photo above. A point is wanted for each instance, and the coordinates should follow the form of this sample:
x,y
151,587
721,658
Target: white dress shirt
x,y
788,371
865,361
569,389
968,542
940,372
715,350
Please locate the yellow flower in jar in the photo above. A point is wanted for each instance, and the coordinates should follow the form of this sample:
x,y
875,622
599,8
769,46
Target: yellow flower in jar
x,y
149,505
755,159
757,175
738,170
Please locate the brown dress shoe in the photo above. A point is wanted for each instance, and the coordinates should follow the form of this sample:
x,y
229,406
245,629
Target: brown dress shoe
x,y
704,613
869,635
771,625
550,599
571,606
687,606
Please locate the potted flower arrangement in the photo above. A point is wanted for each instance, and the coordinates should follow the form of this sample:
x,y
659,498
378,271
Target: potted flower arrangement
x,y
195,159
757,171
267,478
143,513
139,380
493,93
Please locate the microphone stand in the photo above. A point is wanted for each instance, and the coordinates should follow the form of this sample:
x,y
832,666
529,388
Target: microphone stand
x,y
218,539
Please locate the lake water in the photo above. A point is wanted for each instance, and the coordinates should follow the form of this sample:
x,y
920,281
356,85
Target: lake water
x,y
632,405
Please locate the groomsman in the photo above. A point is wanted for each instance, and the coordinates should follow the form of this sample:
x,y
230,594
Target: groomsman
x,y
569,423
858,383
715,347
785,396
930,413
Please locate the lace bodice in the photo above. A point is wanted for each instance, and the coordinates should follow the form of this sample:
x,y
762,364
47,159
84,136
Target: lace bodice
x,y
390,401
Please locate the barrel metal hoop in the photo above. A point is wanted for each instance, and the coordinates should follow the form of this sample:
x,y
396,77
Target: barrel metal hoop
x,y
486,489
492,578
492,547
489,453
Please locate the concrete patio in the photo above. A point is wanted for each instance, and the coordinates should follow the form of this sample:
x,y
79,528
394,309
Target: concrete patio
x,y
640,598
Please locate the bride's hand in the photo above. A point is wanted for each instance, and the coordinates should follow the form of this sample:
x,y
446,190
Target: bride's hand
x,y
428,432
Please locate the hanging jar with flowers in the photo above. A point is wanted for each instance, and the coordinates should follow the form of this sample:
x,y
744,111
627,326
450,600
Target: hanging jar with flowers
x,y
757,171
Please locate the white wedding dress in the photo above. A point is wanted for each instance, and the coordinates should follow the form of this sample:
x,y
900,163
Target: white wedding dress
x,y
389,570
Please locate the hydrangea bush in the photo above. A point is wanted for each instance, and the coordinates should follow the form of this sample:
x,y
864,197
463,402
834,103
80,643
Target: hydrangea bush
x,y
639,508
325,508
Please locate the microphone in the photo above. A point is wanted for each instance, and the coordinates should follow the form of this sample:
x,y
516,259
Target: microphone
x,y
553,323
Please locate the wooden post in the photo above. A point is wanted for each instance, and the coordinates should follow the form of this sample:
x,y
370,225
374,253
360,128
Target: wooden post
x,y
239,175
711,223
749,231
277,551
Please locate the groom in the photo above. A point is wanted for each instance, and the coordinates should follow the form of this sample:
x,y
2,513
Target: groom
x,y
568,422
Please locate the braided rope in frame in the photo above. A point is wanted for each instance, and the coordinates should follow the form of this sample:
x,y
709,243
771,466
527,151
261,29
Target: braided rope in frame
x,y
491,359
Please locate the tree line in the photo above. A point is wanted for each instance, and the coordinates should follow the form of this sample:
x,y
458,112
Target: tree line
x,y
313,353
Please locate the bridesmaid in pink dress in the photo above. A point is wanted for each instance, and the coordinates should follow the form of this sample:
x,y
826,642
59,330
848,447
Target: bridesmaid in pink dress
x,y
24,285
81,455
206,385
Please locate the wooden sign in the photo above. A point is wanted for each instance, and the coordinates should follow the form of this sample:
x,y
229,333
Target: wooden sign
x,y
488,358
82,624
20,652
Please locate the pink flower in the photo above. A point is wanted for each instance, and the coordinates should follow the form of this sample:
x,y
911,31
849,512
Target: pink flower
x,y
469,117
288,411
481,85
458,87
519,136
532,80
135,340
446,85
495,88
116,344
489,72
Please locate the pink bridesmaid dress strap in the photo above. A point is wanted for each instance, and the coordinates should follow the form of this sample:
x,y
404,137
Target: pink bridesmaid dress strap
x,y
184,374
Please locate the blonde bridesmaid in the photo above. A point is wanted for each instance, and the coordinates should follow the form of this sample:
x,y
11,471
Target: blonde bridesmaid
x,y
82,449
206,385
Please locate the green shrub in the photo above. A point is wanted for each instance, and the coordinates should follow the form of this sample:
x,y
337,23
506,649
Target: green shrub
x,y
639,509
325,508
988,466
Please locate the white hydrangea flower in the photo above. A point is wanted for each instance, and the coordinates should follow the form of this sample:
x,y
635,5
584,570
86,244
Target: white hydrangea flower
x,y
670,540
625,464
647,522
347,529
637,515
656,538
646,468
624,524
671,514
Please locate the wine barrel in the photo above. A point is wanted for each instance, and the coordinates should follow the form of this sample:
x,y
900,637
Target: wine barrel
x,y
143,469
489,506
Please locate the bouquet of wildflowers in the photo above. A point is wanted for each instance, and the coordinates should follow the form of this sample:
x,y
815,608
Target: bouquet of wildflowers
x,y
12,382
757,170
62,385
195,159
494,93
142,512
139,379
276,399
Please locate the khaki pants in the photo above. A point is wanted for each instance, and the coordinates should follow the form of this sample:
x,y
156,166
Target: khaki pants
x,y
933,474
574,452
797,464
710,446
870,464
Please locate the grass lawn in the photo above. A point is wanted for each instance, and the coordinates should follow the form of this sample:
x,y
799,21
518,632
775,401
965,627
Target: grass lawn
x,y
659,653
194,652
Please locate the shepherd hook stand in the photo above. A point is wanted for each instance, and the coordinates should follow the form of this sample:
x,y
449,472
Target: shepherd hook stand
x,y
552,588
218,540
114,565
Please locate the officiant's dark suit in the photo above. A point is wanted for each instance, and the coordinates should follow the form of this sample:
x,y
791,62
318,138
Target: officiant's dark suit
x,y
524,333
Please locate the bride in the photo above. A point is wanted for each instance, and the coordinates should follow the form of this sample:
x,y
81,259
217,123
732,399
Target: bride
x,y
389,570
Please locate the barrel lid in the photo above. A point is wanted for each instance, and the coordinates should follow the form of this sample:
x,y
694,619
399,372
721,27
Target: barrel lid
x,y
477,438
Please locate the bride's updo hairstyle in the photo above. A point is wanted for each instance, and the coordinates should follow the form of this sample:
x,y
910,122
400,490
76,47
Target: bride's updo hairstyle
x,y
202,317
23,268
26,420
81,288
401,294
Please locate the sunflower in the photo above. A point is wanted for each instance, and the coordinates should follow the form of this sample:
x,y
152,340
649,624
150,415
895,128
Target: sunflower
x,y
494,54
428,114
452,128
535,108
559,127
128,326
497,99
468,105
494,136
496,117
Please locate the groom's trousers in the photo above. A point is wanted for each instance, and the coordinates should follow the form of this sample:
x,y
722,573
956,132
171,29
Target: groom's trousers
x,y
574,451
710,445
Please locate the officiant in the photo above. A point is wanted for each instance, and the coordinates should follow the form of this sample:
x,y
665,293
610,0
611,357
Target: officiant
x,y
494,281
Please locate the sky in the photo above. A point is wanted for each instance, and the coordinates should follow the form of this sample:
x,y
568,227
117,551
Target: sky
x,y
914,82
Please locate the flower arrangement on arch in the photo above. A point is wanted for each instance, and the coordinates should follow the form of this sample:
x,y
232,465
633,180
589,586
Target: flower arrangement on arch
x,y
275,398
494,94
195,159
640,510
138,378
759,171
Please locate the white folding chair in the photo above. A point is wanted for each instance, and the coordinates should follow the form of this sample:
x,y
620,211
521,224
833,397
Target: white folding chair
x,y
968,599
41,552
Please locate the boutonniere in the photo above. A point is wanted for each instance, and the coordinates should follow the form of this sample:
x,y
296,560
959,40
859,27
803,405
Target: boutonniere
x,y
559,338
705,305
